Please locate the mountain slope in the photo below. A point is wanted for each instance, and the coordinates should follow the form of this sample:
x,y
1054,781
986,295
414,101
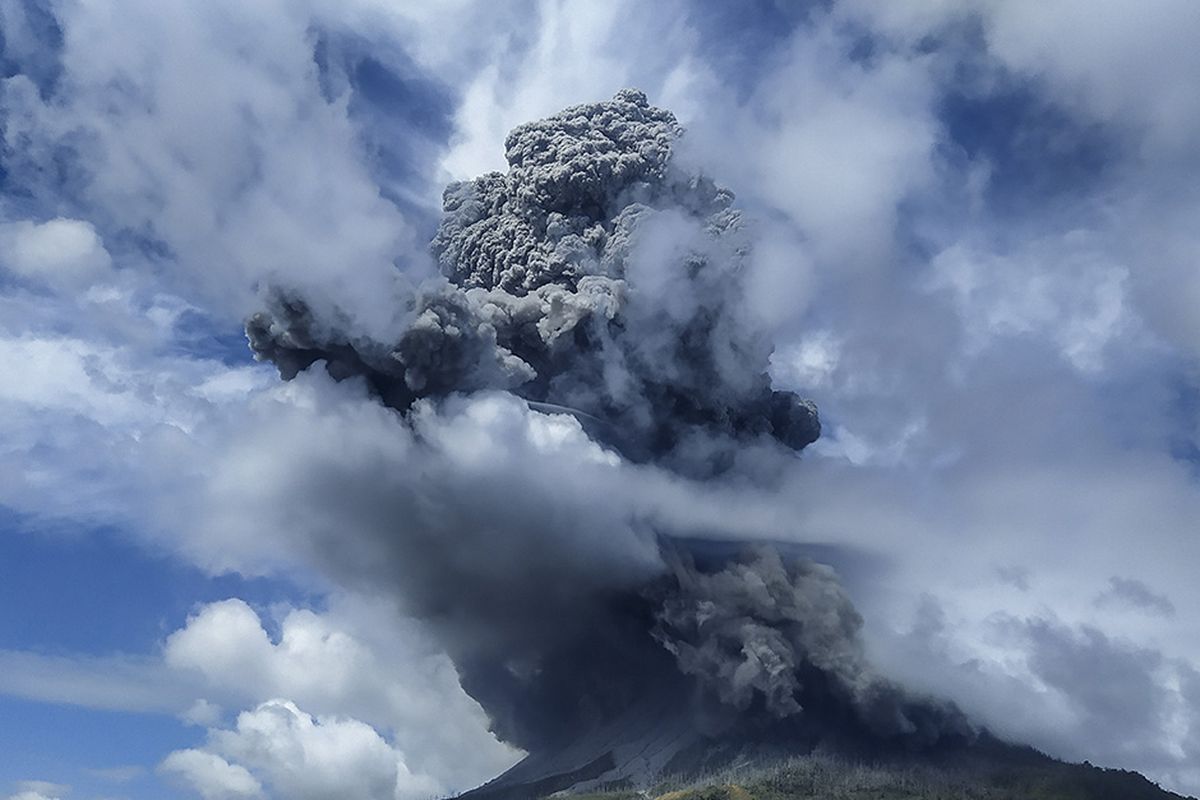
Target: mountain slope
x,y
1005,773
987,769
669,735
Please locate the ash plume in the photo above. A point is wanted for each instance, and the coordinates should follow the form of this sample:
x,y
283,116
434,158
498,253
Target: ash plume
x,y
745,630
594,275
602,284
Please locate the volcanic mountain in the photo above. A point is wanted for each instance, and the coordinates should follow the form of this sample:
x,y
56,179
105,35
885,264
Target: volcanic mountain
x,y
671,740
593,305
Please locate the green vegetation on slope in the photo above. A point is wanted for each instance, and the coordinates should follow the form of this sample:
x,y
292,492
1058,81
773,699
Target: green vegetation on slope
x,y
820,778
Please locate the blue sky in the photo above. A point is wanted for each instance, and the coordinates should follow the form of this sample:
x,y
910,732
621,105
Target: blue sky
x,y
976,249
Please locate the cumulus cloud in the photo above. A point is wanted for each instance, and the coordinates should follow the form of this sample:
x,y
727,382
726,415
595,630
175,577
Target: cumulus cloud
x,y
296,755
343,663
1062,47
60,251
211,776
374,687
303,757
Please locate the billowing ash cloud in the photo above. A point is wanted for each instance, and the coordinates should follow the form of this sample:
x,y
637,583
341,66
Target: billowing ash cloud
x,y
596,278
594,275
747,629
754,630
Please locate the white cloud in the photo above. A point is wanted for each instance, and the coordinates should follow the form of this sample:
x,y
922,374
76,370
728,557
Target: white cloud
x,y
808,364
357,660
114,682
358,669
577,52
1099,60
61,252
297,756
1067,291
202,713
88,421
211,776
308,759
40,790
852,142
207,132
1068,526
74,377
224,638
1093,63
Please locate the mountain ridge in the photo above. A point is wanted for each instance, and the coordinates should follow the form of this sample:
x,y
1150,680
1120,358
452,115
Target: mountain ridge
x,y
988,769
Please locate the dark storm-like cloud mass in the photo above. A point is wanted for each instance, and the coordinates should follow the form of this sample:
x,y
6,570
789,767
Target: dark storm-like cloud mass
x,y
604,285
1134,594
594,275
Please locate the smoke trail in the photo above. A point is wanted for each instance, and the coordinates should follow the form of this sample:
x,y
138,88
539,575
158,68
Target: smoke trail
x,y
595,277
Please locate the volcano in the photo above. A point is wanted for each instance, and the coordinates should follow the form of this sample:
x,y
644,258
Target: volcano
x,y
653,751
674,726
594,309
986,770
672,738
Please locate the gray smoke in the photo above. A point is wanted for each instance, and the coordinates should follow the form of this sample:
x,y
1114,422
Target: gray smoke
x,y
746,630
753,631
596,277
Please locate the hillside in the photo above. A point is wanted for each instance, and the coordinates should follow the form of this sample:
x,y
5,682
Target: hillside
x,y
1020,775
986,769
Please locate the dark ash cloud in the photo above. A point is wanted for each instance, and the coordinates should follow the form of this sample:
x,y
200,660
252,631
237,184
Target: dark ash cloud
x,y
603,285
594,275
